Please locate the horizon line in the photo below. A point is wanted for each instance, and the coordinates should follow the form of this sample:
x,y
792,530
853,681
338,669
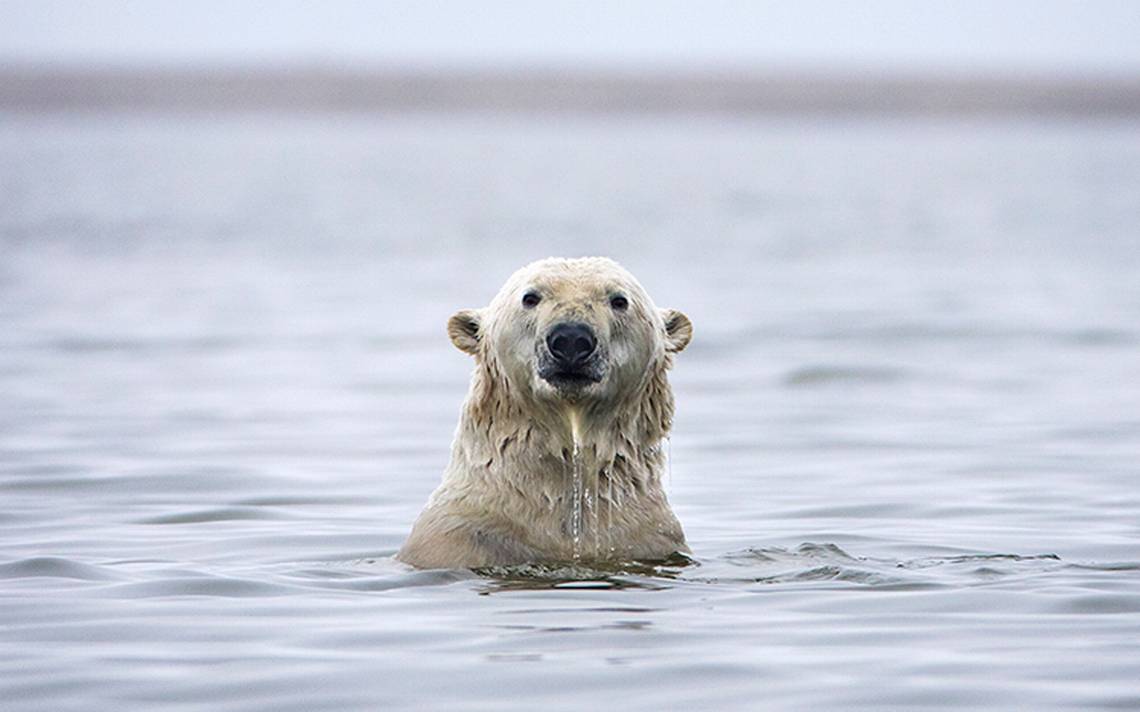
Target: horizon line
x,y
722,90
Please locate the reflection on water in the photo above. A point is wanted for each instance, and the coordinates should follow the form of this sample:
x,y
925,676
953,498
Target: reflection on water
x,y
904,456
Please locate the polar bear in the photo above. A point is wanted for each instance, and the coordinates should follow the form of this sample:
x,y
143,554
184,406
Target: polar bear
x,y
558,455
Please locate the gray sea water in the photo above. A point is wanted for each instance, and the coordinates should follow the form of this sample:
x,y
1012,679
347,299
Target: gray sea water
x,y
906,452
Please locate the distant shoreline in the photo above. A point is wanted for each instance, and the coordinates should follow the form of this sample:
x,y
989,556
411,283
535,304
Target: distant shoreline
x,y
709,92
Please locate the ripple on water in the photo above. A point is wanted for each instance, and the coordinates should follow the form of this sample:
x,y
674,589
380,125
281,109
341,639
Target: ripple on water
x,y
826,562
809,376
1100,603
586,575
55,567
367,580
211,586
219,514
810,563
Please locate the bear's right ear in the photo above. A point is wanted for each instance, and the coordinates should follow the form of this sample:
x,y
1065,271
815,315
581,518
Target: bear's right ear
x,y
464,328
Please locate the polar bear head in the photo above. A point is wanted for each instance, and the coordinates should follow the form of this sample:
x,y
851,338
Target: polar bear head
x,y
573,331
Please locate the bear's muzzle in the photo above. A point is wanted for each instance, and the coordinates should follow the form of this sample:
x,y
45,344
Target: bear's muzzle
x,y
570,358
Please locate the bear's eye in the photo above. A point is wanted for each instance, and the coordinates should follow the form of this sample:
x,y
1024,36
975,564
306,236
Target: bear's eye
x,y
530,300
619,302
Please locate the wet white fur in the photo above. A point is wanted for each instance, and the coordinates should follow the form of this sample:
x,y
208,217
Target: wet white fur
x,y
507,495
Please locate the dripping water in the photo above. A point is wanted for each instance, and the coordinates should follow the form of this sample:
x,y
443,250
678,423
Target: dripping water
x,y
596,505
610,511
577,486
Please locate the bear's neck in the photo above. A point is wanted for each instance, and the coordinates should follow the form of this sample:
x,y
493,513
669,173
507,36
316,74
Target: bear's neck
x,y
508,432
565,479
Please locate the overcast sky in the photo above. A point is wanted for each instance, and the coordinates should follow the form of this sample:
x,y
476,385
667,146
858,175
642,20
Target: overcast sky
x,y
969,35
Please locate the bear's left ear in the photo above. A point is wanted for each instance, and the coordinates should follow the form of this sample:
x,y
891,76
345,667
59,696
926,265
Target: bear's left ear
x,y
678,330
465,327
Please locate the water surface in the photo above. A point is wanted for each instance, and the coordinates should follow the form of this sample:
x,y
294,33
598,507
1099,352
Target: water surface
x,y
905,452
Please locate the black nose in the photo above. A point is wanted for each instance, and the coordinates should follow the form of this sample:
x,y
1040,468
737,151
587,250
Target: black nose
x,y
571,344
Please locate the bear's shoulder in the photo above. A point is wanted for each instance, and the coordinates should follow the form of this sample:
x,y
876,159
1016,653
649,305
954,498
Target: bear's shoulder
x,y
444,540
